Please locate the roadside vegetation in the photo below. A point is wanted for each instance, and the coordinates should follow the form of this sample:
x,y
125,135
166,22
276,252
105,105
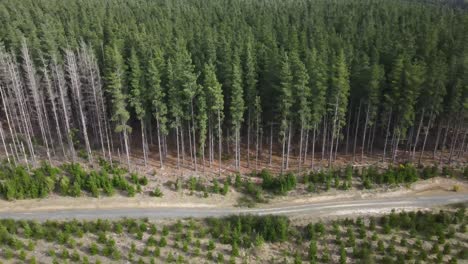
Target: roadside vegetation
x,y
69,179
72,179
405,237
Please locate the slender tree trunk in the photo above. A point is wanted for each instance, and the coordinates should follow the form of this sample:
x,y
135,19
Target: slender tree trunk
x,y
313,147
336,146
364,133
462,146
236,132
62,95
158,130
271,144
96,87
444,141
395,150
248,140
304,160
34,89
283,153
428,128
47,124
190,142
348,125
177,143
75,84
436,145
324,136
417,135
257,135
300,147
210,146
143,139
409,142
194,138
220,142
454,141
386,135
14,136
333,134
127,147
289,145
2,135
182,149
372,141
52,98
356,131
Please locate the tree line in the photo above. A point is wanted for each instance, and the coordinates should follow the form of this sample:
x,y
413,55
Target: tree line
x,y
212,80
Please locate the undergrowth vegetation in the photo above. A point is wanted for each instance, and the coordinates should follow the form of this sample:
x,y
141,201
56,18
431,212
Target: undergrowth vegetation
x,y
69,179
404,237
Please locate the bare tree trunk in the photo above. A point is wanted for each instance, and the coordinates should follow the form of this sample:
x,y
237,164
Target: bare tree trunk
x,y
177,142
436,145
333,133
428,128
364,132
190,142
356,131
75,84
300,147
409,141
2,135
236,147
145,158
386,135
372,141
324,136
65,109
94,80
313,147
159,146
462,146
289,145
248,140
348,125
127,147
395,150
417,134
219,143
444,141
304,160
34,89
182,150
11,128
283,152
47,124
454,141
210,145
257,135
194,138
271,144
336,146
52,98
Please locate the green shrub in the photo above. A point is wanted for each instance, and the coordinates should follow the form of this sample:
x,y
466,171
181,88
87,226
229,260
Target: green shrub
x,y
156,192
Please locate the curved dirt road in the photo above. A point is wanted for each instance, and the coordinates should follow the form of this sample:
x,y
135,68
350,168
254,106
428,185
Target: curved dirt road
x,y
318,209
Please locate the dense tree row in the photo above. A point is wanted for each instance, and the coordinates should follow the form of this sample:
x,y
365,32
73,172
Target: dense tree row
x,y
207,79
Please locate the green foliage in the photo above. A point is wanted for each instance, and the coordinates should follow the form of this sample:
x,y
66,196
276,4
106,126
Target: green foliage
x,y
244,229
280,185
68,180
156,192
